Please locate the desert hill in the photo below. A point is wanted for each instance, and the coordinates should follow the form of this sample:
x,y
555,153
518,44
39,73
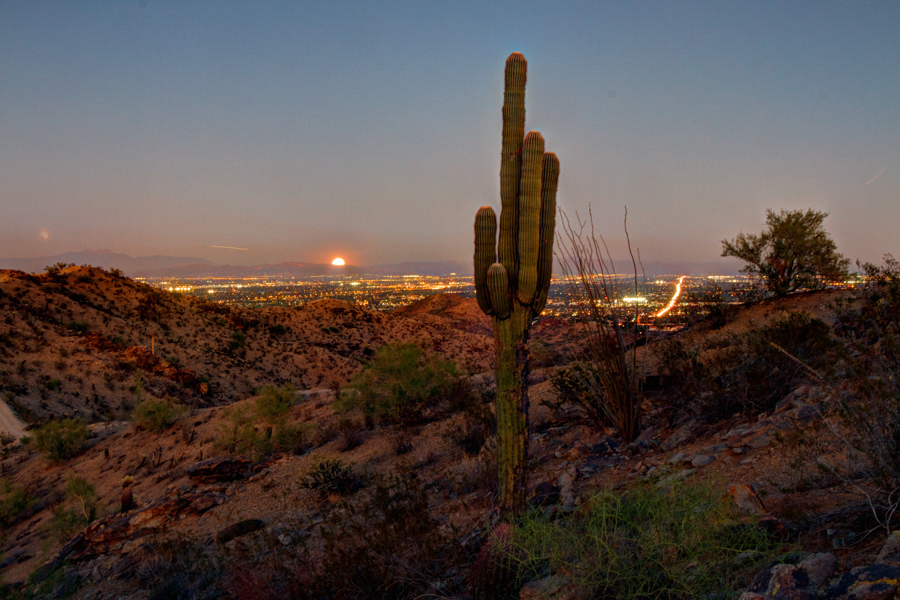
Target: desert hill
x,y
211,520
72,341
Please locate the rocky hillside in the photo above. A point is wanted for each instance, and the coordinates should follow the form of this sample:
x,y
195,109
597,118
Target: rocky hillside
x,y
71,343
405,508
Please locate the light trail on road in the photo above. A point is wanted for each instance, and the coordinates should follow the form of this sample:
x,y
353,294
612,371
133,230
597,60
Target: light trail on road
x,y
674,299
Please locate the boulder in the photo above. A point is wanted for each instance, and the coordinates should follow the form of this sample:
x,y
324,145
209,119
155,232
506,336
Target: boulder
x,y
239,529
879,581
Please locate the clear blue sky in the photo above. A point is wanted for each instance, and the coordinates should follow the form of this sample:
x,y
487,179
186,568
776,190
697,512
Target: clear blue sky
x,y
371,130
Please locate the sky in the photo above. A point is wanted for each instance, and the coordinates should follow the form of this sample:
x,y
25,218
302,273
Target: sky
x,y
301,131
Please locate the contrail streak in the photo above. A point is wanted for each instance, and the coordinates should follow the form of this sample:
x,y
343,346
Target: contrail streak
x,y
230,247
876,176
673,300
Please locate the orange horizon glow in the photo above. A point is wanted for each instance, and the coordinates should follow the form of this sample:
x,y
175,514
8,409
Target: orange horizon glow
x,y
674,299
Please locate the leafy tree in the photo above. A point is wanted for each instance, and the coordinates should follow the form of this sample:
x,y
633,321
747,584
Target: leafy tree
x,y
794,253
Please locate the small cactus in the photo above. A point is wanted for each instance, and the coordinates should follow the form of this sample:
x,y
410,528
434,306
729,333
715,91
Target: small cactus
x,y
513,290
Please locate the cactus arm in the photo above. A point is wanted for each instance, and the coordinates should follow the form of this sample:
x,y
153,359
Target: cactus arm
x,y
529,213
511,158
485,255
498,284
549,179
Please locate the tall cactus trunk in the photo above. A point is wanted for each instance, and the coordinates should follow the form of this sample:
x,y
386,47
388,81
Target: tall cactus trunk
x,y
511,347
512,274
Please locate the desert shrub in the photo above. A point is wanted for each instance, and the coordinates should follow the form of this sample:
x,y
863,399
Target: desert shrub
x,y
78,510
60,440
576,398
615,382
244,436
79,327
331,475
750,372
274,404
157,415
682,542
379,545
478,422
15,502
178,569
238,339
400,382
53,384
868,393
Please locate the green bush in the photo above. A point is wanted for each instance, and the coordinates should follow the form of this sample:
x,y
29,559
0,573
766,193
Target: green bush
x,y
274,404
157,415
79,510
683,542
14,502
399,383
243,436
60,440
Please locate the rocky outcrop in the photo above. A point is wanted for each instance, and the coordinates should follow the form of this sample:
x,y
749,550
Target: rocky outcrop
x,y
111,534
219,470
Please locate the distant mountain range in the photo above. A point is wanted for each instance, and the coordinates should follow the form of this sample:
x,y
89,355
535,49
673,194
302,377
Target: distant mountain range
x,y
192,267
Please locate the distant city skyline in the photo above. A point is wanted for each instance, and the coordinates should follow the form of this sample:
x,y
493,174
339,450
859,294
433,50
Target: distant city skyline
x,y
299,132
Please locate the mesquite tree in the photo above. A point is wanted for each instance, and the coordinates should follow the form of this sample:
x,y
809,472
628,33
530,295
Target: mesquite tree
x,y
513,289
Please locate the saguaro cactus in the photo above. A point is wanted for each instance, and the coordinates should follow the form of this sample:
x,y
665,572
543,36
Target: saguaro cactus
x,y
513,289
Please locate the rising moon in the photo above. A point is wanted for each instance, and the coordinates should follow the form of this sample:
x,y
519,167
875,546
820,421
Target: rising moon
x,y
338,261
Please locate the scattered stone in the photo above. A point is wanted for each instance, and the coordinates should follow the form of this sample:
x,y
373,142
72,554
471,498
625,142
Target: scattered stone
x,y
714,449
873,582
648,434
746,499
675,478
681,435
747,557
567,489
639,447
549,588
676,458
781,582
890,551
545,494
759,440
701,460
819,567
605,446
13,558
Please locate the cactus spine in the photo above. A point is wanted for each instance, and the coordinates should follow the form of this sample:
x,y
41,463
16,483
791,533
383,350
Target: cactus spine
x,y
512,274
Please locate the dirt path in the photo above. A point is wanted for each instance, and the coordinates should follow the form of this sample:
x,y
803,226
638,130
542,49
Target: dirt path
x,y
9,422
